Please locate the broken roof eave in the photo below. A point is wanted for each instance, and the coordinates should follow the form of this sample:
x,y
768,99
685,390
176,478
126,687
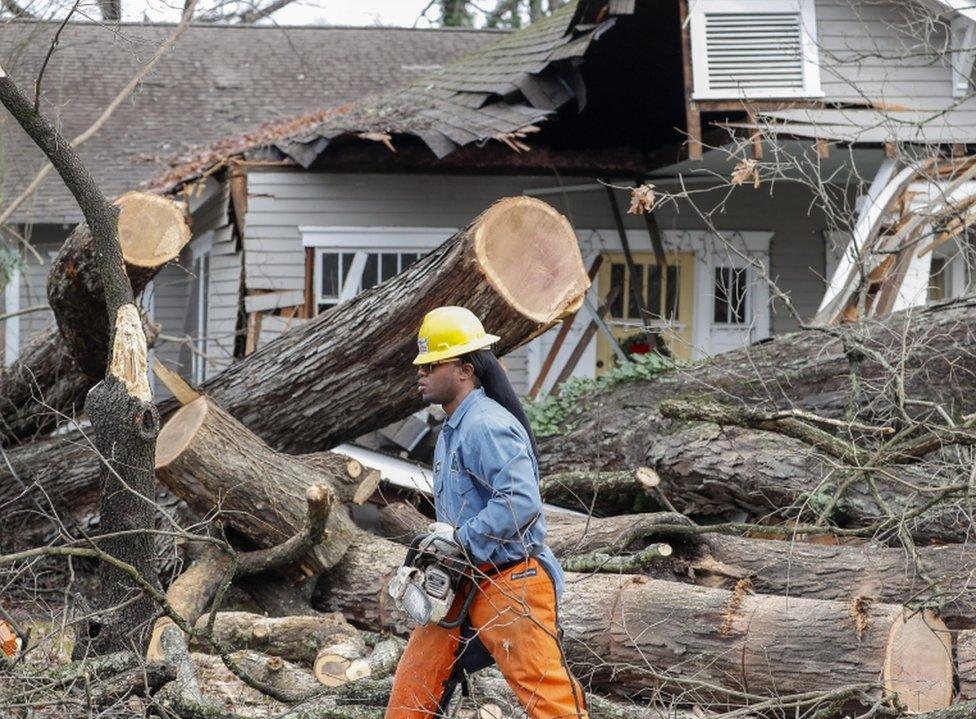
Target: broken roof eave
x,y
449,110
862,127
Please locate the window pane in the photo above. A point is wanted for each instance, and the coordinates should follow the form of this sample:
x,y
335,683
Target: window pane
x,y
671,291
330,274
722,280
654,290
407,259
937,279
346,264
738,295
617,274
633,311
388,266
370,271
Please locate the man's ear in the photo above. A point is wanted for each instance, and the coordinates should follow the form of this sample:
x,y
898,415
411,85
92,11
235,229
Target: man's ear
x,y
467,370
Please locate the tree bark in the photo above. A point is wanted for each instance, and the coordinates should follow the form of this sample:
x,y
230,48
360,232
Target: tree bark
x,y
630,631
840,572
966,663
348,371
151,232
211,461
297,639
55,370
120,406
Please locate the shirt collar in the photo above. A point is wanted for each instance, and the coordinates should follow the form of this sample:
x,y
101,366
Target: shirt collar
x,y
473,396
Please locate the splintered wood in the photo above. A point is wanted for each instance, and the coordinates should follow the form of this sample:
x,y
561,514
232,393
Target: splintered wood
x,y
886,266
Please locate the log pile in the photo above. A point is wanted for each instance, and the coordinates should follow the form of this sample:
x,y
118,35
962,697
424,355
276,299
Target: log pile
x,y
815,589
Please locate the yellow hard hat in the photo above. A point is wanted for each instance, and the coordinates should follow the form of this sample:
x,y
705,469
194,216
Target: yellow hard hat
x,y
448,332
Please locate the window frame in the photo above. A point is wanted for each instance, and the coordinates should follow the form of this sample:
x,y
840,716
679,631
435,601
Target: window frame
x,y
808,39
363,241
731,315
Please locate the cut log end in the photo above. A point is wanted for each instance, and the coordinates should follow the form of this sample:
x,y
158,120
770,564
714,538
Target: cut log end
x,y
918,662
647,477
367,487
340,664
178,432
152,229
354,469
530,256
155,651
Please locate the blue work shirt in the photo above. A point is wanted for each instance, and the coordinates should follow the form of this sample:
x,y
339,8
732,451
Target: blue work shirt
x,y
486,484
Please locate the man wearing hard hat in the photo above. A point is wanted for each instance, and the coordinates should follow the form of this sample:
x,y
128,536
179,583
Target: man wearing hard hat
x,y
489,513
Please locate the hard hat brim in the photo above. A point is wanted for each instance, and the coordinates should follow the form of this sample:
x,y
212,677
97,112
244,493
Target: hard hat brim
x,y
456,351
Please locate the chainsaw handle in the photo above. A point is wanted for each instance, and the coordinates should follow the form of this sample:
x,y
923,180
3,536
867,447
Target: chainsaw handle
x,y
463,613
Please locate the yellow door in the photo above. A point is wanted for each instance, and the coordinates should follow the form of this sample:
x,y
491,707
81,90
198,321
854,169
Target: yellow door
x,y
668,296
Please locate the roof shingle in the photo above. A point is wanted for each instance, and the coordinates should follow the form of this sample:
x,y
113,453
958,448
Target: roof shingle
x,y
217,82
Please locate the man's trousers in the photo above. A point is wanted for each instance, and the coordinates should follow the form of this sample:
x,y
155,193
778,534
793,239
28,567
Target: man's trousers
x,y
513,617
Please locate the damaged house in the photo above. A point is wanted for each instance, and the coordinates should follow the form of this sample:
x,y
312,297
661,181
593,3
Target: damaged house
x,y
767,130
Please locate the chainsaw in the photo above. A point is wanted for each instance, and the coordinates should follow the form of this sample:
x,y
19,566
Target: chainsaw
x,y
427,583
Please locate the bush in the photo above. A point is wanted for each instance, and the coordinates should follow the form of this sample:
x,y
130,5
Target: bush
x,y
560,413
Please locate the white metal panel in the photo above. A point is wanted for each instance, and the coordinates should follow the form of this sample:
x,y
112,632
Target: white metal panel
x,y
754,49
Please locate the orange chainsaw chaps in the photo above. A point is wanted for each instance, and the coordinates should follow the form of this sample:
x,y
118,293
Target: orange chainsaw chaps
x,y
514,616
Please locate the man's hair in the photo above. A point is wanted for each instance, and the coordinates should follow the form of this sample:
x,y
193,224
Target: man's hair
x,y
494,381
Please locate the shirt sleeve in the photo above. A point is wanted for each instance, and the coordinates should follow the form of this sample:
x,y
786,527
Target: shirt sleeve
x,y
501,460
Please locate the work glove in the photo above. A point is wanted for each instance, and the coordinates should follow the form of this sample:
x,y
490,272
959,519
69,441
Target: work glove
x,y
441,541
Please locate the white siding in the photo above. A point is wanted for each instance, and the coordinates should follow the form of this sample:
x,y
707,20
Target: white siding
x,y
281,201
882,52
175,303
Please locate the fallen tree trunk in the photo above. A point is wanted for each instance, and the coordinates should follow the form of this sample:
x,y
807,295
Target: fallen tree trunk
x,y
208,459
616,492
710,469
348,371
313,387
659,634
841,572
808,370
297,639
55,370
789,634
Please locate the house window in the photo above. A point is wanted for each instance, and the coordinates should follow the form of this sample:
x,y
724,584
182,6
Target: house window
x,y
938,287
347,260
730,296
746,49
343,275
659,294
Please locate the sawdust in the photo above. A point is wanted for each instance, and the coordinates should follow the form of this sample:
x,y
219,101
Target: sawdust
x,y
742,589
858,610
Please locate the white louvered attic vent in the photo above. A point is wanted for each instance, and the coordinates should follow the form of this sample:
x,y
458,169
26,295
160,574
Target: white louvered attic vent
x,y
753,48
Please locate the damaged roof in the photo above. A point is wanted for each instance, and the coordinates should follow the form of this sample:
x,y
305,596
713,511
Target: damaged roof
x,y
217,81
499,92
